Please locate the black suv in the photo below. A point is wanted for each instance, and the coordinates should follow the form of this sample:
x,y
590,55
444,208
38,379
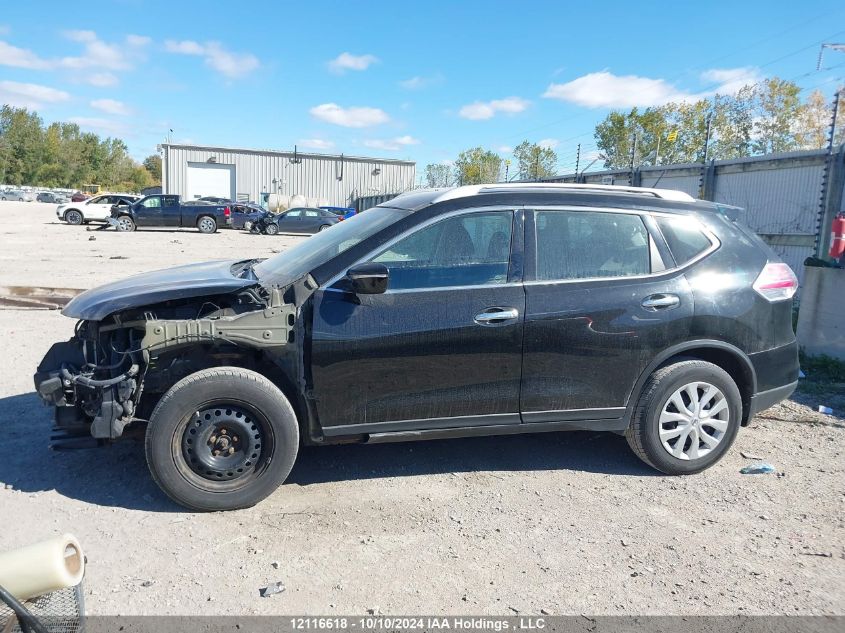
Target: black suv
x,y
479,310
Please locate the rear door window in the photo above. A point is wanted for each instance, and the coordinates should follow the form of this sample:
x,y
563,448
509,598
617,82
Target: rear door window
x,y
684,237
590,244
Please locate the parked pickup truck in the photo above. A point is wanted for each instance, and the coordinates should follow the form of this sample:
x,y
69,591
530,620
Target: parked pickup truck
x,y
168,210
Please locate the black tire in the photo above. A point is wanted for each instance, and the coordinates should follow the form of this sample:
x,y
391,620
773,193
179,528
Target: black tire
x,y
643,434
230,390
206,224
125,224
324,227
272,229
74,216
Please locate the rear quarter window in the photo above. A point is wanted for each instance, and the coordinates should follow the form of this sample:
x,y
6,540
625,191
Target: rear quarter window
x,y
684,237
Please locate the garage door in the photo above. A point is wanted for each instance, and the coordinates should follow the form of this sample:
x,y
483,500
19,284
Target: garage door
x,y
210,179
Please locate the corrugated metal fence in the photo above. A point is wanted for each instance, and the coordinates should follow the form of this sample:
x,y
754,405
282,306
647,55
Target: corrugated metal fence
x,y
782,194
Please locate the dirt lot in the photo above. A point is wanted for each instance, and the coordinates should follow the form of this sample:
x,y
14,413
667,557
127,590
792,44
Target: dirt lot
x,y
568,523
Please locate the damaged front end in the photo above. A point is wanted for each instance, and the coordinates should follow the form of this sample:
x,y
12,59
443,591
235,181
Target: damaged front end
x,y
96,379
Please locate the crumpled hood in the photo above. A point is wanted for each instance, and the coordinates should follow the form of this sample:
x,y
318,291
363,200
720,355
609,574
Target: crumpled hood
x,y
192,280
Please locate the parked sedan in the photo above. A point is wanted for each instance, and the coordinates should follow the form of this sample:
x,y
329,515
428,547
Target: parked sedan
x,y
300,220
51,198
96,209
244,215
17,195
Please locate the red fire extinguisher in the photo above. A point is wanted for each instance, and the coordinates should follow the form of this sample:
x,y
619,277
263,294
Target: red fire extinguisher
x,y
837,237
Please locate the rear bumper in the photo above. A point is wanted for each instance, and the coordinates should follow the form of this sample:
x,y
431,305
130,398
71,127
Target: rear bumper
x,y
765,399
776,370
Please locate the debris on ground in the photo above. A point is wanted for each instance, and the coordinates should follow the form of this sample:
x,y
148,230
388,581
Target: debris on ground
x,y
148,583
749,455
271,590
92,238
824,409
275,564
118,257
758,469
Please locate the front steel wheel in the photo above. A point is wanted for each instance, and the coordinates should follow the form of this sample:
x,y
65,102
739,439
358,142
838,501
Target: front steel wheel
x,y
221,439
686,418
272,229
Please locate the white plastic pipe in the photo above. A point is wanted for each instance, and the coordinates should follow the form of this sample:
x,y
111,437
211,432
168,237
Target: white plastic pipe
x,y
37,569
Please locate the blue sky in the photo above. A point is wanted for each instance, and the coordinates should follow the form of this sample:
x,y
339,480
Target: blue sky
x,y
398,79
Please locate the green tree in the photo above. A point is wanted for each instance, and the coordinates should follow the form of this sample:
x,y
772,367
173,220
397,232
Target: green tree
x,y
777,106
438,175
477,166
535,162
152,164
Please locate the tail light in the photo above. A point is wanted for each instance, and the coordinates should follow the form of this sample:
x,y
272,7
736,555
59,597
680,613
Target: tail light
x,y
340,218
227,211
776,282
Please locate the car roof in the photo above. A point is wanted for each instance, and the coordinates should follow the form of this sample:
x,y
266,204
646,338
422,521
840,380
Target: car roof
x,y
550,193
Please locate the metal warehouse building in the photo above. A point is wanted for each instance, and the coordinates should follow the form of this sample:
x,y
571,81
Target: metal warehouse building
x,y
194,171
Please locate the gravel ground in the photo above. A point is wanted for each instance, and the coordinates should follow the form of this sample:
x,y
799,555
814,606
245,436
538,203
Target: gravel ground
x,y
564,522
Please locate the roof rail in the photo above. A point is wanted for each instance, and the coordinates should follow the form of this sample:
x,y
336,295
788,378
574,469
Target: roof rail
x,y
470,190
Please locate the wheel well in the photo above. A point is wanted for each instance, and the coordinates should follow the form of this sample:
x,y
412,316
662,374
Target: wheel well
x,y
252,361
731,363
79,211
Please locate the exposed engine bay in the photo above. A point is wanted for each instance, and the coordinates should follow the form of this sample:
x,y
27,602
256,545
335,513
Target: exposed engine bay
x,y
96,379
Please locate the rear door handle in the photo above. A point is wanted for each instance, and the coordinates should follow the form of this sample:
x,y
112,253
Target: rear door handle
x,y
661,301
494,316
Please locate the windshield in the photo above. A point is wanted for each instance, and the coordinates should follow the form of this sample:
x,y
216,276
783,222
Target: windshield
x,y
293,263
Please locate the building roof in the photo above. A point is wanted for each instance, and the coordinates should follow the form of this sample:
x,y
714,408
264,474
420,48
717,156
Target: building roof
x,y
284,153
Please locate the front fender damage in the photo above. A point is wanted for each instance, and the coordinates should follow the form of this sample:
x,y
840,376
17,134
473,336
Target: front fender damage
x,y
95,380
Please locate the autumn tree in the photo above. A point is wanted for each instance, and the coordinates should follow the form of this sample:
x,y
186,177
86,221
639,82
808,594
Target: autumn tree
x,y
535,161
438,175
477,166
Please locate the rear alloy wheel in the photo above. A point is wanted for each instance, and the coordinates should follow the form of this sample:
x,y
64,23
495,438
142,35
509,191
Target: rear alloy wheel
x,y
207,224
324,227
222,439
125,224
271,229
73,217
686,418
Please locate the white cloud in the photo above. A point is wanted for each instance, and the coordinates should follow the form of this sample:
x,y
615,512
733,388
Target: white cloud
x,y
227,63
349,117
100,54
32,96
548,143
393,144
103,126
21,58
731,80
418,82
111,106
504,149
348,61
316,143
606,90
101,80
481,110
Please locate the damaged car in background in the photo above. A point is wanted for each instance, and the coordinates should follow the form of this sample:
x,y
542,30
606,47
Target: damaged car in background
x,y
482,310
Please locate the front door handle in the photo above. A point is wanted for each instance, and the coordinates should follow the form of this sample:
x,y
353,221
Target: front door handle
x,y
661,301
494,316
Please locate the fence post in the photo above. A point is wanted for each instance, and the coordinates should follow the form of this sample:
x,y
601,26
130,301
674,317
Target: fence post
x,y
831,201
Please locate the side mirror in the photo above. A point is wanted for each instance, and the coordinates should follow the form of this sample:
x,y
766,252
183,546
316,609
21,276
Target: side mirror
x,y
368,279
